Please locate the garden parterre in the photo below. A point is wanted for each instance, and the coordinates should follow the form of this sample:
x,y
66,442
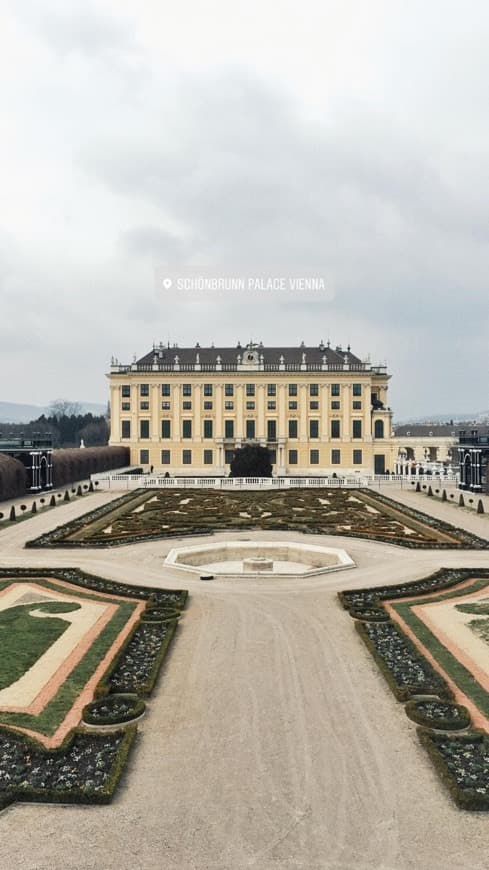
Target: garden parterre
x,y
430,640
145,515
72,637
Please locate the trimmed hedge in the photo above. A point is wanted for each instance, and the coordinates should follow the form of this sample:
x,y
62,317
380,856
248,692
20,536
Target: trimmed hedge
x,y
84,769
113,710
407,672
444,578
439,714
462,762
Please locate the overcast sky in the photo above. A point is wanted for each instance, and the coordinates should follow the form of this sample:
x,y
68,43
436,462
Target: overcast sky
x,y
349,138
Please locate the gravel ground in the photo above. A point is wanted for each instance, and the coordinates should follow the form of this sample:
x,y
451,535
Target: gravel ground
x,y
271,742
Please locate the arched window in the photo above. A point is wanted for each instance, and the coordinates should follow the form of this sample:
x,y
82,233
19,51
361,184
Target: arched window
x,y
379,429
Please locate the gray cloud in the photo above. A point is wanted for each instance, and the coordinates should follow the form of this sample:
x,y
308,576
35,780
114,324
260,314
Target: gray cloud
x,y
377,179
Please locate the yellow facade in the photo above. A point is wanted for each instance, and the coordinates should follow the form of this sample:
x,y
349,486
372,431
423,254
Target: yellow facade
x,y
319,411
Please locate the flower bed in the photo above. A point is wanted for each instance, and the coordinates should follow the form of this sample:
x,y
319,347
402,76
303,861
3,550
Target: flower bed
x,y
85,769
113,709
405,669
369,614
439,714
462,761
444,578
137,668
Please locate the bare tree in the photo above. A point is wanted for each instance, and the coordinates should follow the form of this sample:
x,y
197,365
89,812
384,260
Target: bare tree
x,y
64,408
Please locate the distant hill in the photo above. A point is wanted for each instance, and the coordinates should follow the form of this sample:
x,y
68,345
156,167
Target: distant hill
x,y
11,412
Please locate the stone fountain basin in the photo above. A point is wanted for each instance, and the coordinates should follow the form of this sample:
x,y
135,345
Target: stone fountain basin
x,y
259,558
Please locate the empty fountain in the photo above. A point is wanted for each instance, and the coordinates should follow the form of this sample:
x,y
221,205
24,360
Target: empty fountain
x,y
259,558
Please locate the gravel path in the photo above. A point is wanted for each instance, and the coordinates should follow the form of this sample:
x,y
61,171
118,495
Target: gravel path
x,y
271,742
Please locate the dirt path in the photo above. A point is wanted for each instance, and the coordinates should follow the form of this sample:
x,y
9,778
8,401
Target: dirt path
x,y
271,742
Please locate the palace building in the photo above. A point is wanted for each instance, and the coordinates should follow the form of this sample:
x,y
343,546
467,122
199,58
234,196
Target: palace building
x,y
319,410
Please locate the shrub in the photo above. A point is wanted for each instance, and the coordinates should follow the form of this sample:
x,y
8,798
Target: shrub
x,y
480,507
441,715
34,508
430,491
42,500
113,710
444,495
90,488
79,490
66,496
23,507
52,501
461,501
1,516
418,487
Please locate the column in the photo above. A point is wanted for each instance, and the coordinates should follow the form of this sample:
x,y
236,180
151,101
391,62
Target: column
x,y
197,416
176,434
240,427
260,422
346,408
155,412
115,414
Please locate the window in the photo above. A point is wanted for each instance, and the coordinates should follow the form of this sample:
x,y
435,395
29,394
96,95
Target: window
x,y
292,428
357,457
292,406
335,389
314,457
229,406
144,428
335,428
271,389
292,457
379,429
357,389
250,406
292,389
187,406
271,430
228,456
126,391
314,389
273,456
357,428
207,389
165,406
144,389
187,389
271,406
207,428
314,406
144,406
313,428
165,390
250,429
229,428
166,428
335,457
144,457
126,429
165,457
208,460
186,457
126,406
207,406
335,405
250,389
357,406
186,428
229,389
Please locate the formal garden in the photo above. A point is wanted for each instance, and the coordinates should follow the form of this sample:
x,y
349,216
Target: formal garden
x,y
430,639
149,514
79,656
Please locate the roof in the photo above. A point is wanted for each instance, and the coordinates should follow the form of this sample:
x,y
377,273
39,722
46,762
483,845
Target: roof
x,y
271,355
413,430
